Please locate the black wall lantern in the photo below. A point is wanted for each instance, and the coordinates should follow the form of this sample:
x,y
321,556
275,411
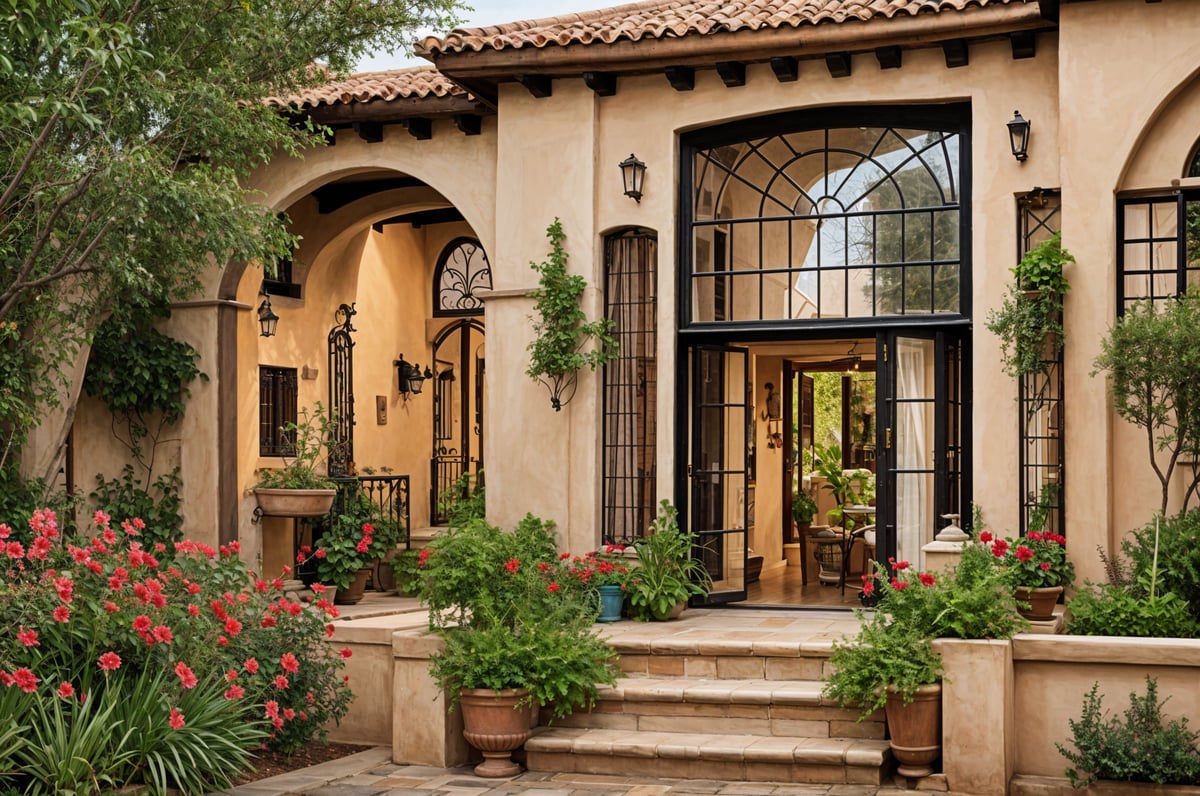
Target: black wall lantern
x,y
410,376
268,321
633,174
1018,135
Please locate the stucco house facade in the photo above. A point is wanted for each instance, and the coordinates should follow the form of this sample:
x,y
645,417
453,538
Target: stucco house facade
x,y
830,187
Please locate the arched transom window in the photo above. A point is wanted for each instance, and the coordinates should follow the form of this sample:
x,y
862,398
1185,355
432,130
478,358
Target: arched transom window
x,y
836,221
462,271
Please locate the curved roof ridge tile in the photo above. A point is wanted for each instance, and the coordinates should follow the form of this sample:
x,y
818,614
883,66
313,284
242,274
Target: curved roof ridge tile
x,y
410,82
658,19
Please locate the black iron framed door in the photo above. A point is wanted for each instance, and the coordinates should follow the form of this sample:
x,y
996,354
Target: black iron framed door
x,y
719,496
919,439
458,399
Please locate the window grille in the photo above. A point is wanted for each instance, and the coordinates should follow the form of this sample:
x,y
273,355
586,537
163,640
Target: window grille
x,y
462,269
828,223
276,409
630,386
1040,394
1158,256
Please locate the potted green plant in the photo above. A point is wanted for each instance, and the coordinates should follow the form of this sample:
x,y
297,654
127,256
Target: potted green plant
x,y
804,508
517,632
667,574
1035,566
349,542
299,488
1029,322
891,663
562,329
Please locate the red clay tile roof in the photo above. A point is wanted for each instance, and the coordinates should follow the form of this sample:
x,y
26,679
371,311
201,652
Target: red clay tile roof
x,y
415,83
660,19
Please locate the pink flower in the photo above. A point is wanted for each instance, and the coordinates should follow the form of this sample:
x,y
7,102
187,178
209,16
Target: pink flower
x,y
345,653
926,579
271,708
111,607
900,565
163,633
142,624
233,626
553,587
289,663
985,536
1023,553
899,585
25,679
512,565
27,637
280,681
235,692
1044,566
109,661
62,613
187,678
251,665
66,690
176,719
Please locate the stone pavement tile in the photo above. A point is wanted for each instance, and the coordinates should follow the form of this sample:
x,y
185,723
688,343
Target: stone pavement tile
x,y
748,789
401,782
697,786
534,776
345,790
473,782
854,790
801,790
405,792
647,790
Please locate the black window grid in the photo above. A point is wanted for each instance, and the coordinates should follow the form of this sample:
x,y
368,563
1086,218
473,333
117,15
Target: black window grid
x,y
1040,393
629,457
1158,247
276,409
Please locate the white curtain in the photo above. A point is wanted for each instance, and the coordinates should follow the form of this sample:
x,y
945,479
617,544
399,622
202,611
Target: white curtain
x,y
912,449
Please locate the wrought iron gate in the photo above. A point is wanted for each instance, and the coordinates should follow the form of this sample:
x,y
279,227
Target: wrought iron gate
x,y
458,400
341,392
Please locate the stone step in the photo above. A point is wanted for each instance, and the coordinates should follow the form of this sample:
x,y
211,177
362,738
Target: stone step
x,y
724,659
765,708
740,758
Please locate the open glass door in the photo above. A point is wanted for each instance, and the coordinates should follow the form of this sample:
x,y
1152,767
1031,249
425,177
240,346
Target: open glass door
x,y
918,440
718,500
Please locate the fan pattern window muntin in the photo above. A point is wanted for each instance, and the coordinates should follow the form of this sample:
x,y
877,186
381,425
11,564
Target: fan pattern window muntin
x,y
890,185
462,270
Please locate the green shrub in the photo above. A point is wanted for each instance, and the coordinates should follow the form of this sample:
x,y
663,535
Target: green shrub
x,y
1136,748
1178,555
667,574
1111,610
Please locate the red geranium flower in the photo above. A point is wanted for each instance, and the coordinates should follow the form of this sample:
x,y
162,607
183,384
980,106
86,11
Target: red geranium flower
x,y
27,637
25,679
186,677
109,661
66,690
289,663
62,613
176,721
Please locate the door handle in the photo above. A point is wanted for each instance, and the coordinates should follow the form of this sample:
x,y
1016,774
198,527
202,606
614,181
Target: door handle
x,y
887,438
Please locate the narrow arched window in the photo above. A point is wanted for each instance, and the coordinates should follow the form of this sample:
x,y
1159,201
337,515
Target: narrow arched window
x,y
462,271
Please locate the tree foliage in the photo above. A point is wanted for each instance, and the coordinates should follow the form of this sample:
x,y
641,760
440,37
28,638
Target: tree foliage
x,y
126,129
1152,356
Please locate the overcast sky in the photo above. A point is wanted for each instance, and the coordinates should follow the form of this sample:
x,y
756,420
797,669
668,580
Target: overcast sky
x,y
489,12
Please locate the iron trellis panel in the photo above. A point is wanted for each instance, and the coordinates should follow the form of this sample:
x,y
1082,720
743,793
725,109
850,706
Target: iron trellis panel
x,y
341,391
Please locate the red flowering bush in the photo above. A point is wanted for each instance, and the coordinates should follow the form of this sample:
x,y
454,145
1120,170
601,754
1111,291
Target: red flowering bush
x,y
84,616
353,539
598,569
1035,560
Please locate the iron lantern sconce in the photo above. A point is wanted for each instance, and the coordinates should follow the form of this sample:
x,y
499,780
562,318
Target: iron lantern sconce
x,y
268,321
410,377
1018,135
633,175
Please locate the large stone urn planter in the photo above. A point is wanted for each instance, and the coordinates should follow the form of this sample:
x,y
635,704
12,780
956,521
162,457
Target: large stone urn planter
x,y
916,730
295,502
495,725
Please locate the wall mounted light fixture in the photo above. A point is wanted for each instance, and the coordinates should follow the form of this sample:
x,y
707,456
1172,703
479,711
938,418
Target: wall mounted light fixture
x,y
410,377
633,175
1018,135
268,321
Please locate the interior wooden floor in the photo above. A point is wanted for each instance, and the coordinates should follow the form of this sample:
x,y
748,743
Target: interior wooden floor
x,y
782,587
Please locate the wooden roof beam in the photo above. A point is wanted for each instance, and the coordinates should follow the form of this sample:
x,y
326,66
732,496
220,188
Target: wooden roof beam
x,y
681,78
839,64
371,132
418,128
786,68
957,53
1024,44
603,83
889,57
733,73
468,123
539,86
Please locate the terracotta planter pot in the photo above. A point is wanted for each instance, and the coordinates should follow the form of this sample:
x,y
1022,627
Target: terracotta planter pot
x,y
496,726
295,502
1041,601
354,592
916,730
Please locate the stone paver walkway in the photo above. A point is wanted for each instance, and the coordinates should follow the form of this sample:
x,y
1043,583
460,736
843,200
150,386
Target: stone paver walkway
x,y
372,773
